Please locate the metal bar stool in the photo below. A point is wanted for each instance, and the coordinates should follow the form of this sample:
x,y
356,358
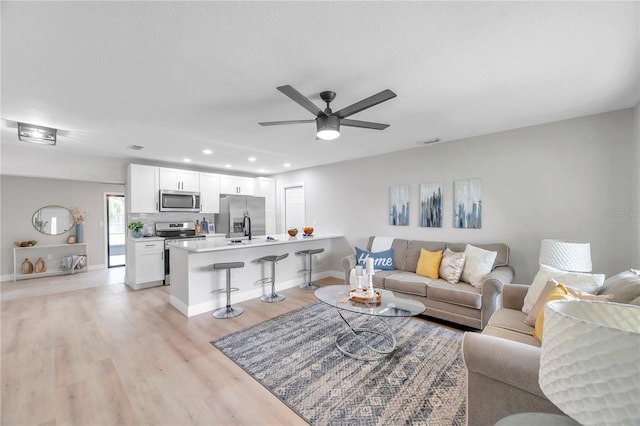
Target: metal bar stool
x,y
228,311
273,297
309,253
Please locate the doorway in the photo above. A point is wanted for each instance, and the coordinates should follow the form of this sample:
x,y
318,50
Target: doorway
x,y
293,207
116,230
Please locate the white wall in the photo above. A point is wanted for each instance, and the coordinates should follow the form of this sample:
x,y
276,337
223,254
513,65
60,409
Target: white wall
x,y
635,193
22,196
568,180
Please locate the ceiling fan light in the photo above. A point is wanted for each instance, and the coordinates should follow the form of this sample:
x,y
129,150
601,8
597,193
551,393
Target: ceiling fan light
x,y
36,134
328,127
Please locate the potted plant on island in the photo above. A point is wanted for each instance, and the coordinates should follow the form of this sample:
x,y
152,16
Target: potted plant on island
x,y
136,228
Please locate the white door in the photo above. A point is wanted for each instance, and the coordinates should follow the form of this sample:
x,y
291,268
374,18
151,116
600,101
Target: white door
x,y
294,207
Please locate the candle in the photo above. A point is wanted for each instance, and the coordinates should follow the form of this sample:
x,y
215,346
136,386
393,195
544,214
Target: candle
x,y
369,263
358,270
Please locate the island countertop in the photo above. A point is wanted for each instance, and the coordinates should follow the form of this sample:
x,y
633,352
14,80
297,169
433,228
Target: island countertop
x,y
196,287
218,244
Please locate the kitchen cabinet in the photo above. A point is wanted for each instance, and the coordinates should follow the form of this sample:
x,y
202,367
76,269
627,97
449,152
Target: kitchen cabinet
x,y
266,187
145,262
47,260
142,188
209,193
179,180
236,185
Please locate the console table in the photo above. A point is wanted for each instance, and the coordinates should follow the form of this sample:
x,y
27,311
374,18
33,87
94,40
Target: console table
x,y
51,255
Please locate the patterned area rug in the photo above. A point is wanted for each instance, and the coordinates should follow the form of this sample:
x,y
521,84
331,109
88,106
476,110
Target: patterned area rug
x,y
294,356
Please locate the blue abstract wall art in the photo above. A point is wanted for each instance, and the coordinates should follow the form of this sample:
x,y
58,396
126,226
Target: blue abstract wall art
x,y
467,196
430,205
399,205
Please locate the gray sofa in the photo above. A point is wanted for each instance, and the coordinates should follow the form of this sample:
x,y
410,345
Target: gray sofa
x,y
503,361
460,303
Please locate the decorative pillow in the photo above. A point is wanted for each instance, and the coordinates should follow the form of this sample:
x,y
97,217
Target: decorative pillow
x,y
429,263
451,266
624,287
381,260
585,282
477,264
548,288
558,293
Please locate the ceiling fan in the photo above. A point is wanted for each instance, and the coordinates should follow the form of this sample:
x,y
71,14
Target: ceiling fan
x,y
328,122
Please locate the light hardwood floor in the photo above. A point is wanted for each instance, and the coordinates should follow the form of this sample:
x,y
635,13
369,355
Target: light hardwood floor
x,y
106,355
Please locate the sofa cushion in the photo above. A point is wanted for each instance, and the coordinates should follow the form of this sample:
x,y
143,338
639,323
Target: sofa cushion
x,y
502,250
382,260
585,282
378,278
510,319
429,263
459,294
451,266
413,252
515,336
407,282
625,286
477,264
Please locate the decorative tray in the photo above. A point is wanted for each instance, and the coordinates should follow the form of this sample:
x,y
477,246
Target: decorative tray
x,y
364,297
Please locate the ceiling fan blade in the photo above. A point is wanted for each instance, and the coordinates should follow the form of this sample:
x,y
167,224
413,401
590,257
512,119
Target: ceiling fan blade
x,y
277,123
363,124
385,95
302,100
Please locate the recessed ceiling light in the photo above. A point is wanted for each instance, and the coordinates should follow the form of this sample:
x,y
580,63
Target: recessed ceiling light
x,y
261,170
207,151
287,165
252,159
429,141
228,166
187,160
37,134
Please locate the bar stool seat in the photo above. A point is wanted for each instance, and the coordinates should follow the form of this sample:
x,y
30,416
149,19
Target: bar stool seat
x,y
228,311
273,259
309,285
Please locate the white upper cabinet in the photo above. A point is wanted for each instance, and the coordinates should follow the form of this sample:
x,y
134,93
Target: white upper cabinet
x,y
179,180
236,185
142,189
210,193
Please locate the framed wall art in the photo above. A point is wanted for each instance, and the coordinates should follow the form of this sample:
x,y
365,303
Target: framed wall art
x,y
399,205
430,205
467,195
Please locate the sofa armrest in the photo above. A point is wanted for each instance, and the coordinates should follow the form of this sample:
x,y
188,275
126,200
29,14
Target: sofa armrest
x,y
513,296
348,263
491,291
502,379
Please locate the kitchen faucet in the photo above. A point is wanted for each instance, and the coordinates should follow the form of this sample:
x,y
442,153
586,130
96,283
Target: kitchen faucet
x,y
247,229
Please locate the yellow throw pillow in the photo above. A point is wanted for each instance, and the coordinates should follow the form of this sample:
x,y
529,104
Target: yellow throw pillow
x,y
429,263
559,293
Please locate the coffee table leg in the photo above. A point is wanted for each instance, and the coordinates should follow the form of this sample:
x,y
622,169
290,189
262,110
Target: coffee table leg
x,y
363,339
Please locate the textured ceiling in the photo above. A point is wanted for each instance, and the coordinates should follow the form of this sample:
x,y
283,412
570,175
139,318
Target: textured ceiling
x,y
179,77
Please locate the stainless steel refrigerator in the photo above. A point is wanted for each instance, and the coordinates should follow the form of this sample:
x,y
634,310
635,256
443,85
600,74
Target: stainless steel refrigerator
x,y
234,208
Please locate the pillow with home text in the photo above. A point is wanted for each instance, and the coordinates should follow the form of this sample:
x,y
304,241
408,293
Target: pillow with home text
x,y
382,260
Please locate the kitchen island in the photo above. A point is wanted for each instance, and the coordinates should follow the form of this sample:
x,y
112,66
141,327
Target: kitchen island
x,y
197,288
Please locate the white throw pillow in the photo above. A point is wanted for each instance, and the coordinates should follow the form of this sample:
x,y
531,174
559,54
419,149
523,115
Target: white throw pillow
x,y
582,281
477,264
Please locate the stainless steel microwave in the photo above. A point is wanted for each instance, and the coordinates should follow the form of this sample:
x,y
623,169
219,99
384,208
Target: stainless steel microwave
x,y
179,201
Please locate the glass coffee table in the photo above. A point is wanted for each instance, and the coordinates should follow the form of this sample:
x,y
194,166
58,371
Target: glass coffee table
x,y
367,337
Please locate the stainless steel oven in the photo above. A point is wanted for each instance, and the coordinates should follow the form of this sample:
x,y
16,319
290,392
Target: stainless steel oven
x,y
175,232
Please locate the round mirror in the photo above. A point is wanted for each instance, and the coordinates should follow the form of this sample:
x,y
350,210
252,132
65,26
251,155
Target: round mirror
x,y
53,220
